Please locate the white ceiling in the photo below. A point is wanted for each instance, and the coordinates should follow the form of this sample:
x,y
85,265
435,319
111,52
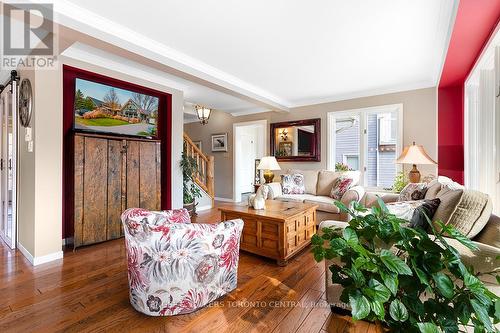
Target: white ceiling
x,y
299,51
277,54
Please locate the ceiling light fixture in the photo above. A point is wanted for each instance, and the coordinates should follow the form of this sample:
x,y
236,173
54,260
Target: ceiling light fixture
x,y
203,113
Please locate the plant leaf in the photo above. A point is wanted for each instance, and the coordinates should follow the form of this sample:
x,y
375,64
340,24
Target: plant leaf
x,y
377,291
391,281
444,284
338,244
422,276
360,306
378,308
482,314
462,310
398,311
350,236
316,240
428,328
394,264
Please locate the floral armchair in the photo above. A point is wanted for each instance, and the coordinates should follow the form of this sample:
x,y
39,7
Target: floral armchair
x,y
175,267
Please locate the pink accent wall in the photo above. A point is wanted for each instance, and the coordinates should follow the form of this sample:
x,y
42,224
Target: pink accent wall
x,y
475,22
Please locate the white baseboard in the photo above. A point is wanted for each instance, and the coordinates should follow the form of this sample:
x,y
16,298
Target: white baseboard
x,y
202,208
223,199
35,261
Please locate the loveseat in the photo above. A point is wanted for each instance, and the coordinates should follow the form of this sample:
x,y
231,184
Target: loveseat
x,y
318,185
483,228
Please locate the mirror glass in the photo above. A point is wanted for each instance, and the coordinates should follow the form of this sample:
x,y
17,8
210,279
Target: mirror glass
x,y
294,141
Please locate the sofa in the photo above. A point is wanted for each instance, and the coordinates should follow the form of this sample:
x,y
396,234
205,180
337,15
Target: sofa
x,y
484,231
318,184
175,267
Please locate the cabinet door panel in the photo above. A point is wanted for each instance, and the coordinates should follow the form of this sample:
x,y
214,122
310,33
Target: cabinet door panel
x,y
115,151
78,189
95,190
147,176
133,185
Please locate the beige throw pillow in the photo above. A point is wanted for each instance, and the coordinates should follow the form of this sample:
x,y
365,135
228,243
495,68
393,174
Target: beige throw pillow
x,y
449,200
472,213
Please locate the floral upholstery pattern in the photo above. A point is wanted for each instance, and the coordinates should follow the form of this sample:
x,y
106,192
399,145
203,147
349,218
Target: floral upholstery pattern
x,y
293,184
175,267
340,186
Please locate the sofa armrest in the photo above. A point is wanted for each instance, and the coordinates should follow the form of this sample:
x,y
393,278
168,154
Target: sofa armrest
x,y
355,193
370,199
490,235
274,190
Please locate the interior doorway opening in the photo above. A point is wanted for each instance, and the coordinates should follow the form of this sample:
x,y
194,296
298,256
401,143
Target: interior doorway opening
x,y
250,140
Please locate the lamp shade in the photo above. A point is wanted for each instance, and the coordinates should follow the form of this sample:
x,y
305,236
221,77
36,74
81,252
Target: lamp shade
x,y
415,154
268,163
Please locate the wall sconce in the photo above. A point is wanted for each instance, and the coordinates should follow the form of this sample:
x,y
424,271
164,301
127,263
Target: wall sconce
x,y
284,134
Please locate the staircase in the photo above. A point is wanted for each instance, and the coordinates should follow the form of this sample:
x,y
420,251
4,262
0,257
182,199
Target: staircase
x,y
204,178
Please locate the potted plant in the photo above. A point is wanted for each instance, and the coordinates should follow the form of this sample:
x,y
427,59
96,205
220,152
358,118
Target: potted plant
x,y
190,189
404,279
400,181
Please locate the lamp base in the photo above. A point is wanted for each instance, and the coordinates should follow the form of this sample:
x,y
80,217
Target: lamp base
x,y
414,175
268,176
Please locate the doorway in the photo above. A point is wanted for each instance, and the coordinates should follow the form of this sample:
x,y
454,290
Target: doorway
x,y
8,158
249,144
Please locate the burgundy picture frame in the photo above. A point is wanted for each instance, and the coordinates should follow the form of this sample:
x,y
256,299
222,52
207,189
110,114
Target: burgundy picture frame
x,y
164,135
316,144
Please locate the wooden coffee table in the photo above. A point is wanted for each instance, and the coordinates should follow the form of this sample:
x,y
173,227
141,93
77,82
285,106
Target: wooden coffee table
x,y
278,232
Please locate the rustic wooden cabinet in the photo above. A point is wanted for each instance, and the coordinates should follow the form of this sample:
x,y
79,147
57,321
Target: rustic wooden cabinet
x,y
111,175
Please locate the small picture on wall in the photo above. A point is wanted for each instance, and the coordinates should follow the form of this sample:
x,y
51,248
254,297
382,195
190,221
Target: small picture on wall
x,y
198,144
219,142
257,172
285,149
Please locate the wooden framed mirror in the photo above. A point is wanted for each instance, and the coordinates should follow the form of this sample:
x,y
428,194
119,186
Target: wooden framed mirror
x,y
297,141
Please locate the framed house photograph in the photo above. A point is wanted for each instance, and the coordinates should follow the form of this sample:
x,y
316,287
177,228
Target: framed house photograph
x,y
198,144
219,142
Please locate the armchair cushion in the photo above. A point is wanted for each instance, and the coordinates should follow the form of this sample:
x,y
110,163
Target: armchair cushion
x,y
176,268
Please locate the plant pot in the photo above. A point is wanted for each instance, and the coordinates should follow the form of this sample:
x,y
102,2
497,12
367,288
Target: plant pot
x,y
191,208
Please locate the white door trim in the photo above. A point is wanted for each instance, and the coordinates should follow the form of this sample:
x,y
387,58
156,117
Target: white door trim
x,y
263,122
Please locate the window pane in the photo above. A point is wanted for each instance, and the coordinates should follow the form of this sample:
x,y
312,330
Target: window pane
x,y
381,155
347,141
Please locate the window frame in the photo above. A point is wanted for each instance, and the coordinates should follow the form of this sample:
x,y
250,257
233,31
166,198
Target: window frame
x,y
362,114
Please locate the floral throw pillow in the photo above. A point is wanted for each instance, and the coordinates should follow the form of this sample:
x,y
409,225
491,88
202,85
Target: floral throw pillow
x,y
340,185
293,184
413,191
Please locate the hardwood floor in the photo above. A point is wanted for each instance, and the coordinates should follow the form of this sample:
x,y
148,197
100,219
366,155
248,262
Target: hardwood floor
x,y
87,291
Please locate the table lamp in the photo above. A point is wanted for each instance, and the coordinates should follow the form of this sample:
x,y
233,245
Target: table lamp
x,y
268,163
414,154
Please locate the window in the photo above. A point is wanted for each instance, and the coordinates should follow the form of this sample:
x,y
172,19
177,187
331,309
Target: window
x,y
352,161
368,140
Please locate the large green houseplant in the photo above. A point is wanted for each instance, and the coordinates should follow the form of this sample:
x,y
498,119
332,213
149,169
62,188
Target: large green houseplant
x,y
386,286
189,188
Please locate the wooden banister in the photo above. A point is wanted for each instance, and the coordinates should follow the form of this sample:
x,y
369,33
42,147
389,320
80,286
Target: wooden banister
x,y
204,177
